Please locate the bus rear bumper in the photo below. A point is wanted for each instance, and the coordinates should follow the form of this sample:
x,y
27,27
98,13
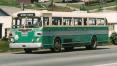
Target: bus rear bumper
x,y
25,45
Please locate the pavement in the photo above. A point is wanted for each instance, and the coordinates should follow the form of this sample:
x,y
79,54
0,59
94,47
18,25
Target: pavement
x,y
103,56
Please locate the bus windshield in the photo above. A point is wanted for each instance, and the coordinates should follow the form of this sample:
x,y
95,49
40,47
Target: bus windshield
x,y
27,22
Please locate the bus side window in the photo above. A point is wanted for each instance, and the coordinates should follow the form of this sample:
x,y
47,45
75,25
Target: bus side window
x,y
92,21
56,21
37,22
64,21
67,21
85,21
77,21
46,21
101,21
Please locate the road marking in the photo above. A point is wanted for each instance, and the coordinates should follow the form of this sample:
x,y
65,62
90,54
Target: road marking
x,y
109,64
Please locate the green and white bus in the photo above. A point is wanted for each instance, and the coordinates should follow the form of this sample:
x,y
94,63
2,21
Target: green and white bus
x,y
55,30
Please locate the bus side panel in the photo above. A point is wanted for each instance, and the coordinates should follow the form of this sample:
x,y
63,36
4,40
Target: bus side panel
x,y
74,35
102,39
47,41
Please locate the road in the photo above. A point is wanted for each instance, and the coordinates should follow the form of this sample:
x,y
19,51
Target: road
x,y
103,56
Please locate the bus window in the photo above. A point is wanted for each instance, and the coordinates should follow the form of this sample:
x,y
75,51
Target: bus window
x,y
77,21
26,22
45,21
17,22
56,21
85,21
67,21
101,21
92,21
29,21
37,22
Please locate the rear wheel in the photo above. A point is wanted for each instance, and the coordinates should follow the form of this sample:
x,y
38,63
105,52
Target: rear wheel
x,y
27,50
93,44
57,45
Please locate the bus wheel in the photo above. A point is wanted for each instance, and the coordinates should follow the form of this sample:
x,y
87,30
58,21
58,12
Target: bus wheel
x,y
68,48
28,50
57,45
93,44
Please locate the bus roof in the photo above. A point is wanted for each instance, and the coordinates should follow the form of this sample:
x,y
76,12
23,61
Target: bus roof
x,y
61,14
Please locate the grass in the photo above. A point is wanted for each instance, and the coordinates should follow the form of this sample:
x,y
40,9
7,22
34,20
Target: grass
x,y
57,0
56,8
74,5
37,6
41,6
97,5
113,9
8,2
92,5
4,47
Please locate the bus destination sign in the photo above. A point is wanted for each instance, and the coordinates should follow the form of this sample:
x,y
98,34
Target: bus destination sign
x,y
26,14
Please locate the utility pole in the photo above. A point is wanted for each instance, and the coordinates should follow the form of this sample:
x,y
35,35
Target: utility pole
x,y
101,3
22,6
52,4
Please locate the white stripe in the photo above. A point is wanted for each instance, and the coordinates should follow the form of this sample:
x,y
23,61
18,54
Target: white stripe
x,y
27,45
110,64
51,33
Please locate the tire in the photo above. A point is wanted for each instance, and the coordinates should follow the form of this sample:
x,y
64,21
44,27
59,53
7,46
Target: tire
x,y
28,50
93,44
57,46
68,48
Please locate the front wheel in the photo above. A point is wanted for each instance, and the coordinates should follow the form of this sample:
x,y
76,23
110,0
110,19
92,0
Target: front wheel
x,y
27,50
57,46
93,44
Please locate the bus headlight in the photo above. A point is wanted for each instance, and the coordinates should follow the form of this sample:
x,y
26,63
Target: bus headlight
x,y
12,40
32,40
37,39
16,37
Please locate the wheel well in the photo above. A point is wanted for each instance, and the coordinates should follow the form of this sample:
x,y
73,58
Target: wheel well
x,y
94,37
57,38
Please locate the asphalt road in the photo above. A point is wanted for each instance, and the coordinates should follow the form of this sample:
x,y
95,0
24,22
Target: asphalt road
x,y
103,56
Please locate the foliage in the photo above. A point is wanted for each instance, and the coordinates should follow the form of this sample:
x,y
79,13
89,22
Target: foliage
x,y
83,7
8,2
4,46
113,38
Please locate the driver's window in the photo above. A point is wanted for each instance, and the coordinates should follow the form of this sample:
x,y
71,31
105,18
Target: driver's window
x,y
29,21
37,22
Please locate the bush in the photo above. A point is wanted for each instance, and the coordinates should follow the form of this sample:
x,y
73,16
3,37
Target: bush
x,y
5,39
113,38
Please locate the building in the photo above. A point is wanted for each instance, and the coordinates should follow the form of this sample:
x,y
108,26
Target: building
x,y
5,23
112,21
30,1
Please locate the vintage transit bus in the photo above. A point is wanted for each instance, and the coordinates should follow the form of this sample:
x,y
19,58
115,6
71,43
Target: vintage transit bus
x,y
55,30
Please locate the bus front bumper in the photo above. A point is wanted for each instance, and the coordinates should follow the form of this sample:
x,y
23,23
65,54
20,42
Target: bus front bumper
x,y
25,45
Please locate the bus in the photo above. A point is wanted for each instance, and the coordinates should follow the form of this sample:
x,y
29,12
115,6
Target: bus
x,y
33,30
